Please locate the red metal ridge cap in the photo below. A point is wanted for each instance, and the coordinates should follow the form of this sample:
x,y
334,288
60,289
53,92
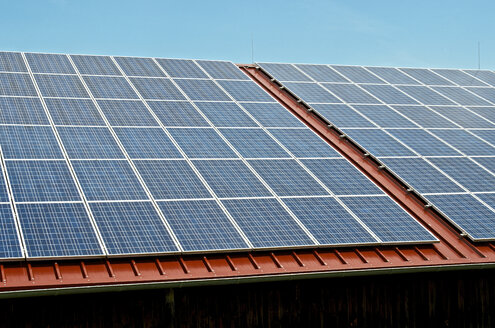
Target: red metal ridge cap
x,y
453,250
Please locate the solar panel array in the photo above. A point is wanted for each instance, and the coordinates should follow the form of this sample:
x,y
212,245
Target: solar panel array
x,y
117,156
434,128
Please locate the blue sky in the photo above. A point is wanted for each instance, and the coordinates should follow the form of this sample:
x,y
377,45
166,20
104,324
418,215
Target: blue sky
x,y
434,33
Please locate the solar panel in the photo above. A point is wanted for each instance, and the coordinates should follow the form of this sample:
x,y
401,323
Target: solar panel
x,y
351,93
225,114
155,88
4,196
286,72
171,180
29,142
341,177
147,143
425,95
461,96
108,180
110,87
182,68
202,90
392,75
378,142
12,62
303,143
388,94
132,228
60,86
459,77
321,73
222,70
22,111
328,221
463,117
486,93
343,116
485,76
177,113
41,181
266,223
201,225
486,112
10,246
231,178
95,65
465,142
134,66
357,74
384,116
287,178
89,142
254,143
423,142
211,145
12,84
245,91
272,115
487,162
387,219
49,63
127,113
424,117
57,230
426,76
487,135
73,112
312,92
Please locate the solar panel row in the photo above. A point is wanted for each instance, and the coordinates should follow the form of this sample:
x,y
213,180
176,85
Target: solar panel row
x,y
434,128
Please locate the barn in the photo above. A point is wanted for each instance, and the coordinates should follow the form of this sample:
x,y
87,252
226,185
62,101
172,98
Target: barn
x,y
171,192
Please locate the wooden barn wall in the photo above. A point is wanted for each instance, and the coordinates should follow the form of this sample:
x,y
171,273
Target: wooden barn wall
x,y
439,299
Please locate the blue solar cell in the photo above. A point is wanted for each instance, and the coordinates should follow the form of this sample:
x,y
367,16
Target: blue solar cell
x,y
468,213
60,86
201,225
202,143
424,117
85,142
231,178
341,177
304,143
425,95
57,229
226,114
177,113
16,85
487,162
127,113
245,91
10,246
222,70
182,68
254,143
384,117
266,223
110,87
202,90
485,76
486,112
22,111
378,142
488,198
155,88
487,135
426,76
4,196
466,172
321,73
171,180
74,112
423,143
357,74
287,178
12,62
40,181
465,142
272,115
351,93
49,63
463,117
288,72
147,143
132,228
459,77
387,219
486,93
135,66
461,96
95,65
24,142
388,94
108,180
343,116
421,175
311,92
328,221
392,75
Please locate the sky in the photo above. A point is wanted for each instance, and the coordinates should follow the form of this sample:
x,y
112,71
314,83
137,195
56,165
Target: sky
x,y
434,33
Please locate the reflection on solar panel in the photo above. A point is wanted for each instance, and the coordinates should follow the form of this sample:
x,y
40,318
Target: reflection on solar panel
x,y
435,129
105,156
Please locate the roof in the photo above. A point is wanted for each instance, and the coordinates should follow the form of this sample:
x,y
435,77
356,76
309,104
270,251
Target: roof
x,y
450,247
